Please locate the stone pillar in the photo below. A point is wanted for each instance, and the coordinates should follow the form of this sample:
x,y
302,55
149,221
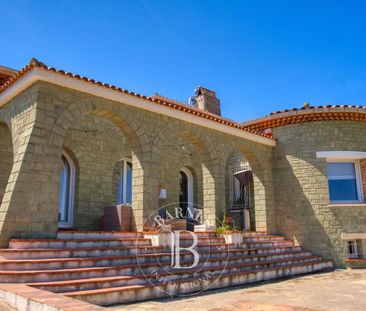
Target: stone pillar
x,y
213,193
6,157
30,203
145,187
264,199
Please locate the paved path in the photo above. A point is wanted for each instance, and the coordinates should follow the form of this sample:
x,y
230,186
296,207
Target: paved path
x,y
341,290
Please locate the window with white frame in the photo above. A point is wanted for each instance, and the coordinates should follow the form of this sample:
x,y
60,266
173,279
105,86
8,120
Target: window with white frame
x,y
66,192
354,248
124,190
344,181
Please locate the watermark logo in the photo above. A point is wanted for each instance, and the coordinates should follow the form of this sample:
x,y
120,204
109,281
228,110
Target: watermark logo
x,y
176,250
180,261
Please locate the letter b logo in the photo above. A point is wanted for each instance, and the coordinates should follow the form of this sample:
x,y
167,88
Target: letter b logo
x,y
176,249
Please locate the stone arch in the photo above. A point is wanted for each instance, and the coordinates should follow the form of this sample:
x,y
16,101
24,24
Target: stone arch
x,y
104,133
239,190
114,112
260,162
190,174
6,159
196,143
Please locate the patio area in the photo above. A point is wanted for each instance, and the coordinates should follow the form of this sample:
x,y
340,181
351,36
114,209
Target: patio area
x,y
339,290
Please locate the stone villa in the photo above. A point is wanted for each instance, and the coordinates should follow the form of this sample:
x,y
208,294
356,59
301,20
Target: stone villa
x,y
72,146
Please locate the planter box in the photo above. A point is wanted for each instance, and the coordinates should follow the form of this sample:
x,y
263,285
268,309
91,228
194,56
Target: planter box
x,y
235,238
117,218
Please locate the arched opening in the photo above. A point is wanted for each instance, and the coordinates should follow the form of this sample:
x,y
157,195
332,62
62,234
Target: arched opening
x,y
106,150
186,190
6,158
66,192
123,172
240,191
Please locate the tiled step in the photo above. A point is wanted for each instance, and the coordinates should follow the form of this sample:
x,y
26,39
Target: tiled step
x,y
263,238
103,282
19,254
203,240
73,263
110,267
77,235
113,295
81,243
33,253
259,244
254,233
70,235
133,269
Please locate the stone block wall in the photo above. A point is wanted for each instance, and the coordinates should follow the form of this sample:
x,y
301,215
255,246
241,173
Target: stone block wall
x,y
46,119
96,145
301,186
6,156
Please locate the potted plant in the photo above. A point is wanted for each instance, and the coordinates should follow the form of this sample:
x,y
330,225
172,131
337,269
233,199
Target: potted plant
x,y
227,229
159,236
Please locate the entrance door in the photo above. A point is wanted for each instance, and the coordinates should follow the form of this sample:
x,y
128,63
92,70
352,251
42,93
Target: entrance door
x,y
183,193
66,193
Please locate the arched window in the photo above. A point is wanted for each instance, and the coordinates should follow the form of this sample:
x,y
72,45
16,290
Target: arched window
x,y
124,190
66,195
186,198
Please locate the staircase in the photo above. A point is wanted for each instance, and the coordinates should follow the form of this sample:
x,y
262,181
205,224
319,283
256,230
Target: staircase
x,y
107,268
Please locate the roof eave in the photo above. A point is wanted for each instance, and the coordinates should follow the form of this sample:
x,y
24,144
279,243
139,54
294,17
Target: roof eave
x,y
38,74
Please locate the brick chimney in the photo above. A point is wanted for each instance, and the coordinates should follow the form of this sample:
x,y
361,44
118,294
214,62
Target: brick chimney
x,y
206,100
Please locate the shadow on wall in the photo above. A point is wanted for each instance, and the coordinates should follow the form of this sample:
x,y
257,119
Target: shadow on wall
x,y
302,211
6,158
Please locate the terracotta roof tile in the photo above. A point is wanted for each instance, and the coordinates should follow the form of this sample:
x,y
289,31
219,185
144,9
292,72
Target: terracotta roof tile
x,y
308,114
34,63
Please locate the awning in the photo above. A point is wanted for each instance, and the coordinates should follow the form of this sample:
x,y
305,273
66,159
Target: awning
x,y
243,176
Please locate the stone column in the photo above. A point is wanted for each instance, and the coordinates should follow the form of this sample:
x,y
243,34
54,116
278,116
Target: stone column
x,y
30,203
213,193
145,187
264,198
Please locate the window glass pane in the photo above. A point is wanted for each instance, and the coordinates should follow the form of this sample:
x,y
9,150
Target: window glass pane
x,y
64,191
342,182
341,170
129,184
120,182
124,193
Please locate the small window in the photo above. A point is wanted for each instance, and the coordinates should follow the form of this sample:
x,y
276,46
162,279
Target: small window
x,y
124,190
354,249
343,180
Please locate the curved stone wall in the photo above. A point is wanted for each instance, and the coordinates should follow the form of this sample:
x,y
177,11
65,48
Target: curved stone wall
x,y
301,186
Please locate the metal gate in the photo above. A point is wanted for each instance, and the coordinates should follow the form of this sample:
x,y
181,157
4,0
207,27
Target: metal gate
x,y
240,175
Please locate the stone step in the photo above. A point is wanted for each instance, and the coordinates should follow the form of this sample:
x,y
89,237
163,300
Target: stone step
x,y
78,235
82,243
263,238
34,253
20,254
125,280
133,269
259,244
267,244
73,263
186,240
114,295
254,233
70,235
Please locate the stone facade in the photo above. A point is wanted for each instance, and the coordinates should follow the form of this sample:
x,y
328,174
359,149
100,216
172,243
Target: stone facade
x,y
46,119
289,189
301,186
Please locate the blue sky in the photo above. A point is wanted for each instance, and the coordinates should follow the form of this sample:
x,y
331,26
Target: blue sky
x,y
259,56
